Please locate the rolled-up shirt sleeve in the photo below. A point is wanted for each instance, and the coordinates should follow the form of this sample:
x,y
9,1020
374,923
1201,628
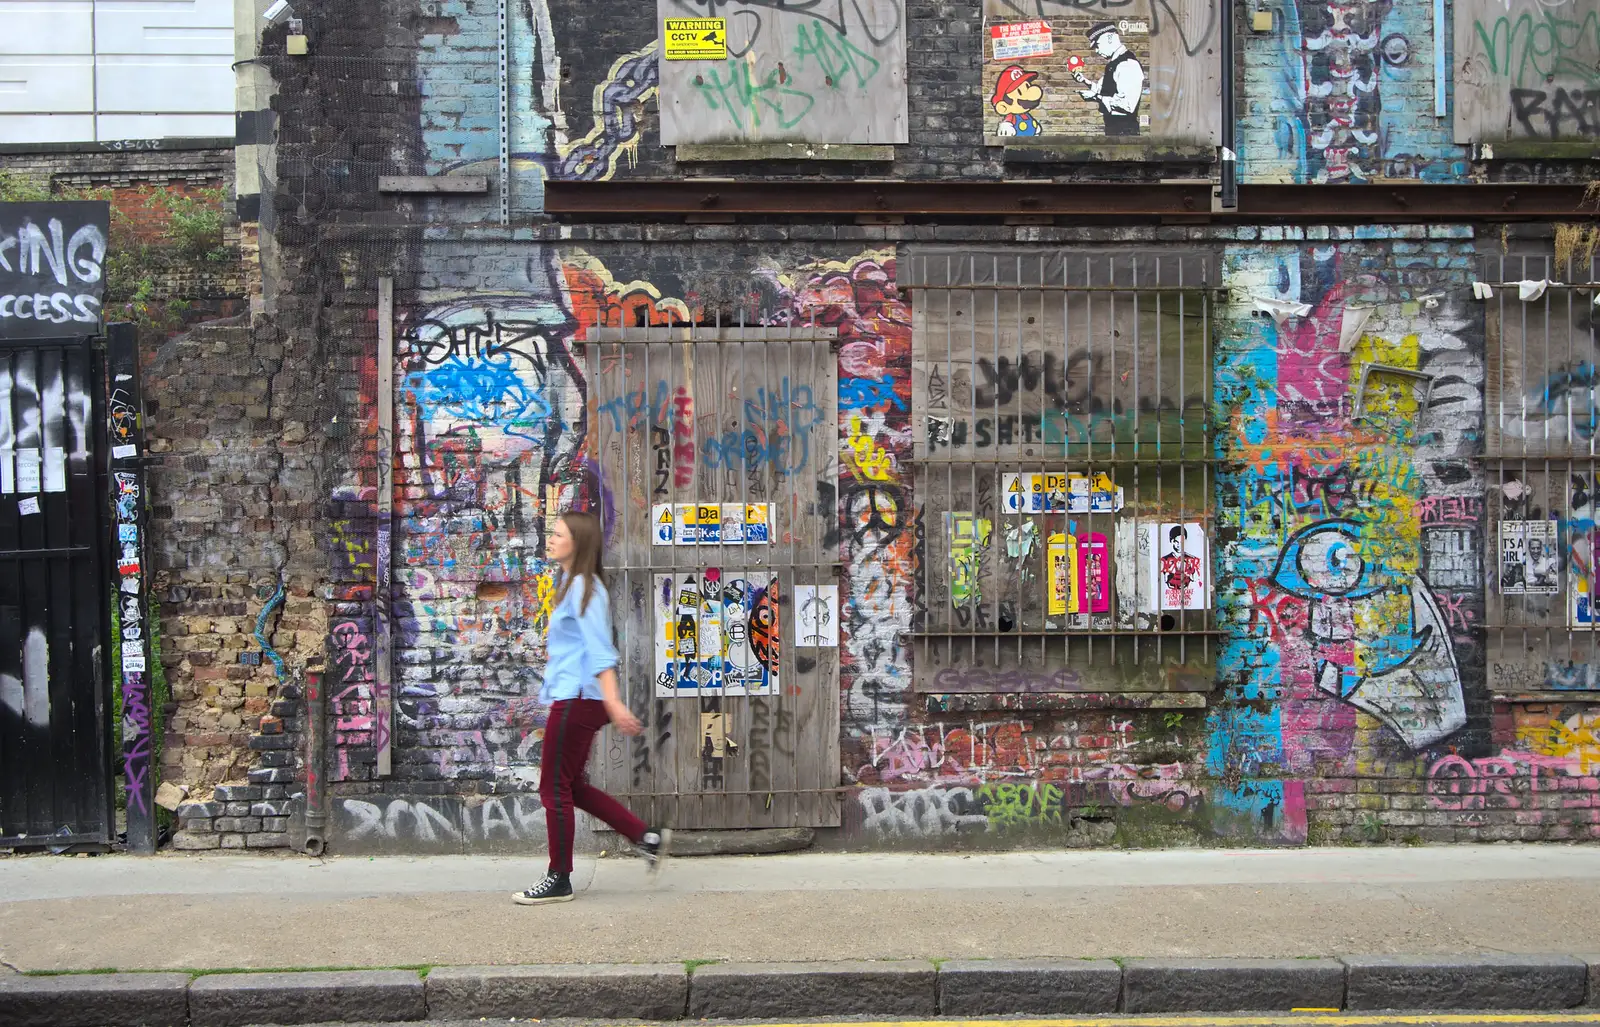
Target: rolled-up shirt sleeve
x,y
594,623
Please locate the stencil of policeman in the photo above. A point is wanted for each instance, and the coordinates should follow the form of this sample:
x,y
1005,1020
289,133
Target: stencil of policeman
x,y
1120,87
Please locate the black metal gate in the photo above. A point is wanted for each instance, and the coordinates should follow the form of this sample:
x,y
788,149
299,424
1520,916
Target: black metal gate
x,y
55,780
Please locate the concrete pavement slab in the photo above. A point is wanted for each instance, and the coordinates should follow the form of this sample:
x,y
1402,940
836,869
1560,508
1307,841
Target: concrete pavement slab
x,y
794,990
95,1000
182,912
237,1000
1040,987
1465,982
1207,985
649,991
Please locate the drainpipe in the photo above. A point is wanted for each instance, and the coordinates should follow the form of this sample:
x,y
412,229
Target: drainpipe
x,y
1228,198
316,766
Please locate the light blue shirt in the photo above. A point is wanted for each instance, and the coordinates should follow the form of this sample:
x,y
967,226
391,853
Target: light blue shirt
x,y
580,648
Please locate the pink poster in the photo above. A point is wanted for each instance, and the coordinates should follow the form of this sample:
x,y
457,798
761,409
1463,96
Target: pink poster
x,y
1094,572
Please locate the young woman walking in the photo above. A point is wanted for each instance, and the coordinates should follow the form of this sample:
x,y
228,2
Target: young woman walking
x,y
580,687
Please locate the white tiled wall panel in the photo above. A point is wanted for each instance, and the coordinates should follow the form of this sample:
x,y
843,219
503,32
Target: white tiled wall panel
x,y
148,68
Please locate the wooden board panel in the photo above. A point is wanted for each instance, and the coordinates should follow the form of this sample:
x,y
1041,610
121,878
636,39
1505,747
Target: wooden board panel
x,y
1525,71
743,725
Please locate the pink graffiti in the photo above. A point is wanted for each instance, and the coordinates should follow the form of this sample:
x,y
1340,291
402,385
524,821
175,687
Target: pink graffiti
x,y
1163,783
1510,781
912,755
1458,612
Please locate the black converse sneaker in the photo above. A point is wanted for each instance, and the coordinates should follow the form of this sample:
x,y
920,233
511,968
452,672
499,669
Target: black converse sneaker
x,y
655,847
554,888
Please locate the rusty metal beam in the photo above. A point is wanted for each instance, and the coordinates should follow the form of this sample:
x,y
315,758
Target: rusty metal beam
x,y
1104,201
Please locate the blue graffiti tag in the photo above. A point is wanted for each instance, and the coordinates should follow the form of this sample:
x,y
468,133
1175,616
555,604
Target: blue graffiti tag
x,y
857,393
486,390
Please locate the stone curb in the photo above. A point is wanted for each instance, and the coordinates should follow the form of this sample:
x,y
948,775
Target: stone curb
x,y
1465,982
727,991
236,1000
646,991
1216,985
95,1000
1040,987
887,989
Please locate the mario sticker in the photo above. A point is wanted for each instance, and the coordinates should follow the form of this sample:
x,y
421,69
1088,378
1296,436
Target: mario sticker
x,y
1016,95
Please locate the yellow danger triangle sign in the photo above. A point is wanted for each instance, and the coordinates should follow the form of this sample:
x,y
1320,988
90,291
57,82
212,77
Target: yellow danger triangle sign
x,y
1016,486
666,515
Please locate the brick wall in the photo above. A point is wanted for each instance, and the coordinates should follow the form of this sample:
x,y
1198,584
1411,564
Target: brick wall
x,y
1295,744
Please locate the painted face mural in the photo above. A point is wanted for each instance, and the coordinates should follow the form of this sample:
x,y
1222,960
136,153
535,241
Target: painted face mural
x,y
1338,571
1379,639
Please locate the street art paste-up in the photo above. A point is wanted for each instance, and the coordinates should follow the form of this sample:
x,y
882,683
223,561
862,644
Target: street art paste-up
x,y
716,634
1530,560
1127,72
968,536
817,615
1016,97
1121,85
1183,567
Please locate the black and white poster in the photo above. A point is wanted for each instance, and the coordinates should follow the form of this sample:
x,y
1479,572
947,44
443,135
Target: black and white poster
x,y
52,268
1529,562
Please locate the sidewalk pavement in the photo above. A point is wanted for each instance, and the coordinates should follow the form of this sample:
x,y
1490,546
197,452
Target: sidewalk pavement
x,y
273,912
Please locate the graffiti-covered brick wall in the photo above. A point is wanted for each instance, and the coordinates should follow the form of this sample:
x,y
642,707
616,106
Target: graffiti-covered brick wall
x,y
1344,94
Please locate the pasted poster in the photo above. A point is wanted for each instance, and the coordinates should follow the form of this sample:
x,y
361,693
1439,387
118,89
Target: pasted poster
x,y
1062,582
969,538
1094,571
717,633
1124,73
1183,567
1530,564
1092,82
1077,573
816,612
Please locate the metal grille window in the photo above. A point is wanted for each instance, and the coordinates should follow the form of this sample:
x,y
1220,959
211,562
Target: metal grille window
x,y
711,443
1064,469
1543,459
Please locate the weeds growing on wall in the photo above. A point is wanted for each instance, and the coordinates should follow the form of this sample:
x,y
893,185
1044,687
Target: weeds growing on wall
x,y
137,268
1575,247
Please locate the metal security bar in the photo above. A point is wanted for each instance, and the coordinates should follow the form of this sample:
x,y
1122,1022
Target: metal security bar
x,y
1542,461
1064,467
712,442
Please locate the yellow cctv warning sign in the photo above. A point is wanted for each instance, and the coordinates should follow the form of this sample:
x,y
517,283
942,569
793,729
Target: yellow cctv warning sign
x,y
696,39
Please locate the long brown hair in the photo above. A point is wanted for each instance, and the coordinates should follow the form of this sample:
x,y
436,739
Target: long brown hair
x,y
587,543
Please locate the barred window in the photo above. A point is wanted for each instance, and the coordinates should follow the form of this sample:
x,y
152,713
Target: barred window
x,y
1064,467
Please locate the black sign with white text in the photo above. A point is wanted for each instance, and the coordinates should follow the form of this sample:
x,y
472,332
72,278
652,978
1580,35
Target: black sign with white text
x,y
52,268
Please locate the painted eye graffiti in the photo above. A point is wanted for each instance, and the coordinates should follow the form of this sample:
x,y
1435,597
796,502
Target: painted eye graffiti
x,y
1324,559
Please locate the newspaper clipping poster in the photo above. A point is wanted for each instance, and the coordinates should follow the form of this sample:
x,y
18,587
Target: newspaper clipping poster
x,y
1529,562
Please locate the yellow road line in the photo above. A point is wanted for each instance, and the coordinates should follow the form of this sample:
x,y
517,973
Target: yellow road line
x,y
1348,1019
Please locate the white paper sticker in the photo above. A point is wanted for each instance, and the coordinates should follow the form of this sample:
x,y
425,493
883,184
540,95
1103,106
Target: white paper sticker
x,y
8,472
28,470
55,469
125,452
661,528
817,614
132,662
28,506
